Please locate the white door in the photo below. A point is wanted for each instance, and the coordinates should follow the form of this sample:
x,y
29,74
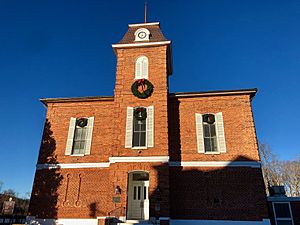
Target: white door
x,y
138,200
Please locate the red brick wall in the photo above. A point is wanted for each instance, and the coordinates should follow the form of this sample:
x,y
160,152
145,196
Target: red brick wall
x,y
88,193
224,193
58,117
126,58
239,127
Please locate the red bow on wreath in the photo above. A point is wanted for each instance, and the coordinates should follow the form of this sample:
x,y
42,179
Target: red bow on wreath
x,y
141,81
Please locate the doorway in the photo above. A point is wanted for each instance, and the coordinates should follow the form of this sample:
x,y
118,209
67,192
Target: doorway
x,y
138,196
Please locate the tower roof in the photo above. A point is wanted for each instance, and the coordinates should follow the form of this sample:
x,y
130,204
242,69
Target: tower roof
x,y
155,33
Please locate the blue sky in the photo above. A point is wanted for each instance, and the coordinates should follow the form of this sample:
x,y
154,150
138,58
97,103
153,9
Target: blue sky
x,y
63,49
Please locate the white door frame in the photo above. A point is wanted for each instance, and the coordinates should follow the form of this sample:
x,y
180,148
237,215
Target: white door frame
x,y
138,197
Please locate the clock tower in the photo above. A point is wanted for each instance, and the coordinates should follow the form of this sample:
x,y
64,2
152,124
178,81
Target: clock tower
x,y
143,66
141,121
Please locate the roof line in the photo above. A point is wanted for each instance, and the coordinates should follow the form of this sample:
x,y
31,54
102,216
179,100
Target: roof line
x,y
143,24
141,44
251,91
77,99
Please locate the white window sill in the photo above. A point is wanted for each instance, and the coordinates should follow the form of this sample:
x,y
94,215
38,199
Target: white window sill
x,y
137,148
77,155
140,78
212,153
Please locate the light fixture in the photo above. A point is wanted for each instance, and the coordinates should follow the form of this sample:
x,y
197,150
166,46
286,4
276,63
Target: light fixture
x,y
118,190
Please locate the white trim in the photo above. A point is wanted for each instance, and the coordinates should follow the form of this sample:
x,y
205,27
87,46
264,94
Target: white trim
x,y
143,24
212,153
140,44
251,164
105,217
219,222
71,221
163,159
164,218
283,199
71,165
216,93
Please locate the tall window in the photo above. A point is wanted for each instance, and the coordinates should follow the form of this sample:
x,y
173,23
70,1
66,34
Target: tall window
x,y
210,137
141,68
139,127
210,133
80,135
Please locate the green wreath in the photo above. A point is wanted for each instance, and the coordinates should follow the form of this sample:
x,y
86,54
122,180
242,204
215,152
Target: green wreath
x,y
143,83
140,113
82,122
209,118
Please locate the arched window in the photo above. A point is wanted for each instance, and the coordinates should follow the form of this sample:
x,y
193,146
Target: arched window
x,y
141,68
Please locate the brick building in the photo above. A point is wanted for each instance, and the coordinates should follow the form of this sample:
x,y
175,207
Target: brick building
x,y
145,154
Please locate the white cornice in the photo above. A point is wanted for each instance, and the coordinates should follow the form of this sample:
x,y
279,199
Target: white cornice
x,y
252,164
72,165
144,44
143,159
143,24
163,159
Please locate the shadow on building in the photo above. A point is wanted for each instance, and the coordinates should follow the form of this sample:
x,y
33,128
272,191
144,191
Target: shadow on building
x,y
44,197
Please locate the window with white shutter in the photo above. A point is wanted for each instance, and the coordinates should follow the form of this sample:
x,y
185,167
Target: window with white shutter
x,y
129,126
80,136
70,136
210,133
141,68
199,133
139,127
150,126
220,133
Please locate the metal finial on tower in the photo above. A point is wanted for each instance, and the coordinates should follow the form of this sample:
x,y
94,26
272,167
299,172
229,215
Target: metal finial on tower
x,y
145,11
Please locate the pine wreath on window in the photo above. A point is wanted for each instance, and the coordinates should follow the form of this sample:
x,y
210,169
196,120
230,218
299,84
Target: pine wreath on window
x,y
140,113
81,122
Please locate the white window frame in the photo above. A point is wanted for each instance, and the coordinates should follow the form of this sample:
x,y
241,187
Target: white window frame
x,y
219,130
216,128
88,139
280,218
149,142
141,67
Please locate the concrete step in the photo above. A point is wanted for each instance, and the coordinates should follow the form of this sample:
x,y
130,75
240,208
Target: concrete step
x,y
136,222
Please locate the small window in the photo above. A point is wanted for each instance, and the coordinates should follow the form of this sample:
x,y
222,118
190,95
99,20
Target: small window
x,y
282,213
141,68
210,137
